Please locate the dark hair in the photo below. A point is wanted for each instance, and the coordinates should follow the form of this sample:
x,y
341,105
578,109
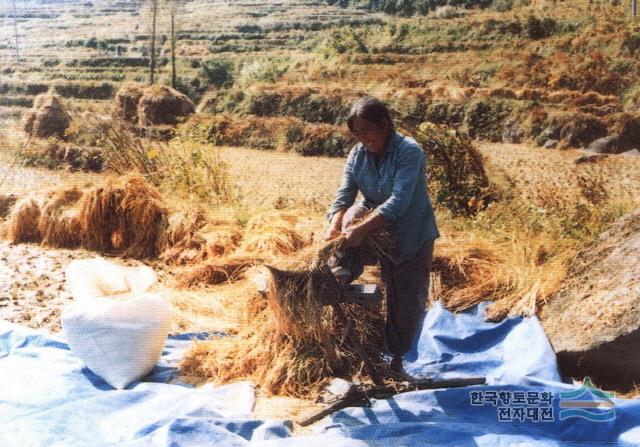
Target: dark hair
x,y
371,109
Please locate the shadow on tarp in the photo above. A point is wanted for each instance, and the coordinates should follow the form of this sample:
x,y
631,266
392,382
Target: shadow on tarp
x,y
516,358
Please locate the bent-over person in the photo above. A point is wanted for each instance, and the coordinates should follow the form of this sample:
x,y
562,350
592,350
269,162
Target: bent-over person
x,y
389,170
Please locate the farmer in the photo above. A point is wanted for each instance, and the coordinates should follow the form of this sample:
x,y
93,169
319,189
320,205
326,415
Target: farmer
x,y
389,170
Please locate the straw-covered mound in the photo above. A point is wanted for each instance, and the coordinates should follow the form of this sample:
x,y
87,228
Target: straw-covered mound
x,y
593,321
127,100
127,218
160,104
47,118
290,342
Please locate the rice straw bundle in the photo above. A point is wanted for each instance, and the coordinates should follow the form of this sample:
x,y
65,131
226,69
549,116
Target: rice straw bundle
x,y
59,225
6,202
296,299
183,225
22,222
282,364
273,233
192,246
216,272
130,219
518,275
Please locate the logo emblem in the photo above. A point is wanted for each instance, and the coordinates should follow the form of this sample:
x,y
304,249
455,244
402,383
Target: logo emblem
x,y
587,402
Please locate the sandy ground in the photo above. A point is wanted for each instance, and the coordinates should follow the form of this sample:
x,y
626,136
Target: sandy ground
x,y
33,294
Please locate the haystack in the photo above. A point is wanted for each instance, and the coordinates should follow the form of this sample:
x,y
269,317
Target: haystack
x,y
59,223
47,118
160,104
593,321
129,218
290,343
127,100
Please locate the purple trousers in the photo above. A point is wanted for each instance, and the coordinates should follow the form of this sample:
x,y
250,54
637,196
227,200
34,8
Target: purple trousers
x,y
406,286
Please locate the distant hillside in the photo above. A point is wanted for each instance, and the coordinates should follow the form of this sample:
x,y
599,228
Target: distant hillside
x,y
407,8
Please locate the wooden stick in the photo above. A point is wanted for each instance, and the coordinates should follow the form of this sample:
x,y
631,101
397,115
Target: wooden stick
x,y
361,396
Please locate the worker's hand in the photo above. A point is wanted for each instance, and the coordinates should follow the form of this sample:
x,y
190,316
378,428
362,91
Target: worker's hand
x,y
332,233
354,236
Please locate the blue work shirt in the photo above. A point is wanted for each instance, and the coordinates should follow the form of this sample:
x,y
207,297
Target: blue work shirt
x,y
397,187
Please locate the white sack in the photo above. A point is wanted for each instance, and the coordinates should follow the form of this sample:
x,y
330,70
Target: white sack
x,y
97,277
119,336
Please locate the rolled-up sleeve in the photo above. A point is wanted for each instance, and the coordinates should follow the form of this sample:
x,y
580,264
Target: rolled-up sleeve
x,y
409,171
348,189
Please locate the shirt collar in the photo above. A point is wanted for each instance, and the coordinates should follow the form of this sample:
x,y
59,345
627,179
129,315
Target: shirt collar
x,y
393,142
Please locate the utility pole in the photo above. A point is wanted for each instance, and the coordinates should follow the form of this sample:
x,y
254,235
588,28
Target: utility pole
x,y
15,30
152,63
634,8
173,44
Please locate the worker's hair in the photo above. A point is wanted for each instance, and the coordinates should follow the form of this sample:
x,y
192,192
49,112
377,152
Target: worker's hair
x,y
371,109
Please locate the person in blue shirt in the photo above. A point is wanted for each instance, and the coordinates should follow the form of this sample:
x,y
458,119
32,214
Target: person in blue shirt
x,y
389,170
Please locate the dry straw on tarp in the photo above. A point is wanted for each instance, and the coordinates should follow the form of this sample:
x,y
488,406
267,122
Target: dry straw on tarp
x,y
290,343
282,364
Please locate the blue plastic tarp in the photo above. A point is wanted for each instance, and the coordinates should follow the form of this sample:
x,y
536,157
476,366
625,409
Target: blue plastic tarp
x,y
48,398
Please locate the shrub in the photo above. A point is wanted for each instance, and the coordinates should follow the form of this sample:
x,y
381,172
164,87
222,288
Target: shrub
x,y
51,62
536,28
484,118
269,70
25,88
316,139
445,113
631,98
456,169
192,87
631,43
576,129
16,101
503,5
217,73
341,41
54,154
103,90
